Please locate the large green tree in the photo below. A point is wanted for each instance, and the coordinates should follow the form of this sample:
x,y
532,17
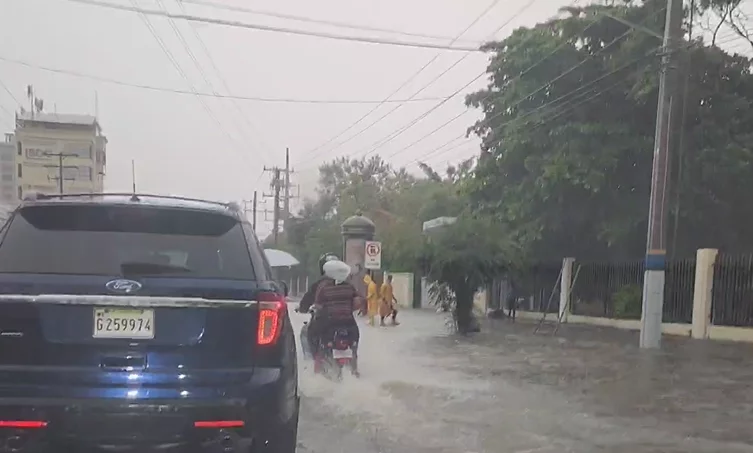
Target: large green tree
x,y
397,201
466,256
567,137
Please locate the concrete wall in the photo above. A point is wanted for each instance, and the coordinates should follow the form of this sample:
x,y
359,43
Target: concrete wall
x,y
402,284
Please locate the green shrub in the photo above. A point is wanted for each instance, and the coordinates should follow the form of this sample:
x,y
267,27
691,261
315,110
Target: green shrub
x,y
627,302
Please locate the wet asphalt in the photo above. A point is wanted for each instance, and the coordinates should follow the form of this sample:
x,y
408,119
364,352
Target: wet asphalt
x,y
507,390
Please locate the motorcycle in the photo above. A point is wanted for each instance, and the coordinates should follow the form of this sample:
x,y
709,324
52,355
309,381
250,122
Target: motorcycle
x,y
335,353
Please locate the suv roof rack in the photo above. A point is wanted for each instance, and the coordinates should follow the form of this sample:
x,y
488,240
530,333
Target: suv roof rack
x,y
134,197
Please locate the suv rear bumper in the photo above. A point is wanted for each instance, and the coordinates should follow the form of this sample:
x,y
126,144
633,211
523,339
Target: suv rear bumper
x,y
114,425
138,427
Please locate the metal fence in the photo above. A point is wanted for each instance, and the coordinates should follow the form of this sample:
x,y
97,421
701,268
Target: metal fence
x,y
538,289
607,289
732,296
679,287
615,290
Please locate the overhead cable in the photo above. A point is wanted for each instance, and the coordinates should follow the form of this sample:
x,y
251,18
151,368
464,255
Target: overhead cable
x,y
331,23
268,28
102,79
425,86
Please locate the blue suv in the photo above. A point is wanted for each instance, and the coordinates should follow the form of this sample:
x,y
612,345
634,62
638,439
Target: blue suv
x,y
141,323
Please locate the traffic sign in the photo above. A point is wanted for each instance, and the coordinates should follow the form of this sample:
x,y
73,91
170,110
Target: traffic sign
x,y
373,256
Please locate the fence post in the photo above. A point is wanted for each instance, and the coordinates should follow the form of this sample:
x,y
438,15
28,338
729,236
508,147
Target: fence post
x,y
702,292
566,281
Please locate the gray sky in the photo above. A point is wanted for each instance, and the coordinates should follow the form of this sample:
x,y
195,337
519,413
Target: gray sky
x,y
177,146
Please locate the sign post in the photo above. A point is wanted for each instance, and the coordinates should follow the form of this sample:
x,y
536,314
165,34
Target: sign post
x,y
373,255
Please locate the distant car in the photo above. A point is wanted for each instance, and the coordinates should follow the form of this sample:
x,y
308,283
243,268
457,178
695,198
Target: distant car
x,y
142,324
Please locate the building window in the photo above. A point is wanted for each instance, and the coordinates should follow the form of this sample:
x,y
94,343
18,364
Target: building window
x,y
20,193
18,147
20,171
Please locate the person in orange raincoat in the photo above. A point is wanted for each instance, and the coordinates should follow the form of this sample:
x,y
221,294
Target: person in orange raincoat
x,y
372,298
388,305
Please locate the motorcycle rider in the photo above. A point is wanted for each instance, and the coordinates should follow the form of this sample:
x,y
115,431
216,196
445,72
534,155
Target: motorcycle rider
x,y
336,300
308,299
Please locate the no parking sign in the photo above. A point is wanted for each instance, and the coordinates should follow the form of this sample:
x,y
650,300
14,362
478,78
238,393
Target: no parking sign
x,y
372,258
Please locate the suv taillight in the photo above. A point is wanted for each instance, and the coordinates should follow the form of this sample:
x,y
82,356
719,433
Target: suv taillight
x,y
272,307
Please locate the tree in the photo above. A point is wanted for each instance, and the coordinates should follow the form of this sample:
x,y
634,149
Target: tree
x,y
390,197
467,255
568,131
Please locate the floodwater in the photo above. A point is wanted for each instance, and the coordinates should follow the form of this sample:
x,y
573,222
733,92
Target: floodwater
x,y
501,392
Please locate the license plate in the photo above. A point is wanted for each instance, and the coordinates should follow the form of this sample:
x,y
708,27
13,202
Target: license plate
x,y
342,354
123,323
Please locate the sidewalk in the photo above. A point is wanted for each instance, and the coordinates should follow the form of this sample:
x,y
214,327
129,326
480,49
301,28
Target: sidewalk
x,y
696,389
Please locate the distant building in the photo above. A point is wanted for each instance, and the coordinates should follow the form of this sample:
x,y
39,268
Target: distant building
x,y
41,138
8,191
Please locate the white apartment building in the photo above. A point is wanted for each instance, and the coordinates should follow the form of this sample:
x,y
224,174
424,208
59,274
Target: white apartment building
x,y
8,191
42,139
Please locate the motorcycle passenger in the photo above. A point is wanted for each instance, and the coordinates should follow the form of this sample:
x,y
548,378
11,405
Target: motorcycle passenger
x,y
308,299
335,302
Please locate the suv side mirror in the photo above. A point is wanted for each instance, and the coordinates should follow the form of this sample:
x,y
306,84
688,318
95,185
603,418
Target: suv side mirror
x,y
284,287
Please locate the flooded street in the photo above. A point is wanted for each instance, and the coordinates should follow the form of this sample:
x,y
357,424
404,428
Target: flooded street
x,y
422,391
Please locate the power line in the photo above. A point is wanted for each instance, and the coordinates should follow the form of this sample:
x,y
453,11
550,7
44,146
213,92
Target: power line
x,y
410,79
418,119
108,80
5,109
222,80
550,105
236,24
190,53
277,15
10,93
183,74
541,88
561,113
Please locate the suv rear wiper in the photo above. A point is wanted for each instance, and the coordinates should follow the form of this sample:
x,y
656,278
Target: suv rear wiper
x,y
147,268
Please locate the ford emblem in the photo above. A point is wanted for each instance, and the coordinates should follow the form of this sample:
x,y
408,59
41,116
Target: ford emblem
x,y
123,286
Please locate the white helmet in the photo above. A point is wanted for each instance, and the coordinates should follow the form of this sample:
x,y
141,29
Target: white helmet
x,y
336,270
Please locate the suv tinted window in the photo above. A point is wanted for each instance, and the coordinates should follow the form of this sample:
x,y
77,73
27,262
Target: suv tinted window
x,y
125,240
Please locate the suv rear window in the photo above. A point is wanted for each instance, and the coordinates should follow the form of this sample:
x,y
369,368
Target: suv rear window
x,y
125,240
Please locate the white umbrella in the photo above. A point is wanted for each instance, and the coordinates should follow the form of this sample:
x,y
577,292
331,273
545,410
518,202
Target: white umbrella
x,y
278,258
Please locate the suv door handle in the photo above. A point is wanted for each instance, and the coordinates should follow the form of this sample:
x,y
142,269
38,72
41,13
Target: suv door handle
x,y
123,363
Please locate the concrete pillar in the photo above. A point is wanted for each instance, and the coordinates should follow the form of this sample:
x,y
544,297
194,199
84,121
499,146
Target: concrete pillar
x,y
702,292
566,283
356,230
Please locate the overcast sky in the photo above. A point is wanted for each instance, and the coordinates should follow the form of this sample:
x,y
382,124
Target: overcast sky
x,y
178,146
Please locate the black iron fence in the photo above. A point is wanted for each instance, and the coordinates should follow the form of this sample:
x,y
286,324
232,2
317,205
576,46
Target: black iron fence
x,y
535,289
615,290
732,296
679,287
610,290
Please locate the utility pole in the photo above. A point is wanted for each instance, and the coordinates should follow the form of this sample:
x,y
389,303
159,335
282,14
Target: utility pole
x,y
133,175
254,212
60,167
287,184
653,281
276,186
281,193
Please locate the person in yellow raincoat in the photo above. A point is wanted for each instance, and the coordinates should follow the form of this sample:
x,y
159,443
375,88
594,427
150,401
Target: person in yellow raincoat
x,y
372,298
388,303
